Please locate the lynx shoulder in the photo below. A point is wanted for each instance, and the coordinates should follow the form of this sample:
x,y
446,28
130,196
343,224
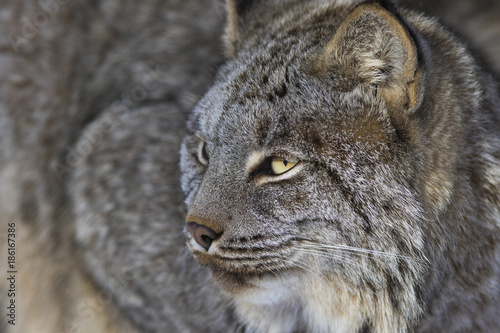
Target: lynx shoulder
x,y
343,173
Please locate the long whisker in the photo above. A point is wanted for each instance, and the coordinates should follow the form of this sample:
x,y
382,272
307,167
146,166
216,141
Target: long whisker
x,y
341,255
359,251
363,252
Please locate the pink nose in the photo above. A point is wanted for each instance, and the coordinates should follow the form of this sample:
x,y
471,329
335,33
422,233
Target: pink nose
x,y
202,234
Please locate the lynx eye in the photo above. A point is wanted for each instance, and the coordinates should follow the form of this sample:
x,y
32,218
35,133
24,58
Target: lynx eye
x,y
273,168
203,153
280,165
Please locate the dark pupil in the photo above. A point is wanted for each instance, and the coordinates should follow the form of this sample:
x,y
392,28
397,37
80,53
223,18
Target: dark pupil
x,y
285,162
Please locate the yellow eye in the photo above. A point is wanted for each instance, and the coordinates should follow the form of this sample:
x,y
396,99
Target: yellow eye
x,y
280,165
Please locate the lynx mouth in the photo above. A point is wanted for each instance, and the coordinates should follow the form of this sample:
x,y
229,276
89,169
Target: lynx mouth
x,y
237,267
250,264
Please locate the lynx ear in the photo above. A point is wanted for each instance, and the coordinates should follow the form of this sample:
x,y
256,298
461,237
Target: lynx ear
x,y
235,11
372,46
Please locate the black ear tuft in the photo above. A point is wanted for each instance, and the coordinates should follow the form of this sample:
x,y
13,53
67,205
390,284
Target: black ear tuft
x,y
242,6
236,12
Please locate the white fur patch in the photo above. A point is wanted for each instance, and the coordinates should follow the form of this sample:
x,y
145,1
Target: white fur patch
x,y
254,159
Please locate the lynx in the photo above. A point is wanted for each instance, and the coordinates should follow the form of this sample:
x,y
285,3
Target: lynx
x,y
343,173
340,166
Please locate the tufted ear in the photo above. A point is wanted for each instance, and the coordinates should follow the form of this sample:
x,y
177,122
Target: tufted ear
x,y
236,11
372,46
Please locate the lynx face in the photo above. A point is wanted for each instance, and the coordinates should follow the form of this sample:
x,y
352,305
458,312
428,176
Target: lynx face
x,y
294,172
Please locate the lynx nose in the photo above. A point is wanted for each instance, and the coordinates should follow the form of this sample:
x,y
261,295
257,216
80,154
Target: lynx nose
x,y
202,234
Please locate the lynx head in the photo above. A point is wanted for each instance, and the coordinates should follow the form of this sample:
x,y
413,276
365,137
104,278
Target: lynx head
x,y
303,165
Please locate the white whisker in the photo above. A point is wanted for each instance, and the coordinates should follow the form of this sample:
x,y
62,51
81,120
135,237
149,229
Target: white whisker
x,y
341,256
327,248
